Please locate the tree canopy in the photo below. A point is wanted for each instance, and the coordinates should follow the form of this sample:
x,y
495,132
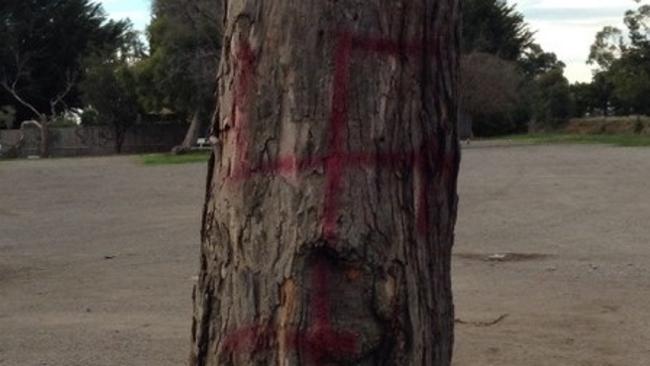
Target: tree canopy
x,y
507,77
184,41
44,46
494,27
621,83
58,55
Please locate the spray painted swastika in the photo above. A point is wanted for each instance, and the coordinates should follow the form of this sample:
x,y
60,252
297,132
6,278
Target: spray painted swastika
x,y
321,339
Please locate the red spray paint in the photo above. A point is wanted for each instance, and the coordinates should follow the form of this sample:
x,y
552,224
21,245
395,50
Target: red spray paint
x,y
244,79
321,339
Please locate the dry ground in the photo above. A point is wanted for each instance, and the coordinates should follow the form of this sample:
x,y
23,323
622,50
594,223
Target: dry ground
x,y
97,257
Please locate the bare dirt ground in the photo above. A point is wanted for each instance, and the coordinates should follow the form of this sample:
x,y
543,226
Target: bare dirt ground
x,y
97,257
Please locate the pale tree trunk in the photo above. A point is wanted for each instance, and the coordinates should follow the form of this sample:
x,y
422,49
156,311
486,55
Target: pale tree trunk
x,y
193,131
331,197
197,125
44,128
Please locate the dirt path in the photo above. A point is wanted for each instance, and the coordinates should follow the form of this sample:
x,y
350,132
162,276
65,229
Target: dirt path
x,y
97,258
579,293
96,261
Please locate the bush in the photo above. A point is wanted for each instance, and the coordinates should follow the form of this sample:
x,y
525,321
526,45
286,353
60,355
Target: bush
x,y
490,91
89,117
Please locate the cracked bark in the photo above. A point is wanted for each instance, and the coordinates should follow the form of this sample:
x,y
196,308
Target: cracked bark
x,y
331,195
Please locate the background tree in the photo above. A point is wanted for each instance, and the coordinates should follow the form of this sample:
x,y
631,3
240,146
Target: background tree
x,y
494,27
608,46
603,92
110,88
496,34
44,45
535,61
184,39
621,83
490,91
331,197
552,102
630,78
583,96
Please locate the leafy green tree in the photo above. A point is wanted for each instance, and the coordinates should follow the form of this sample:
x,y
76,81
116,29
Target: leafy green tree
x,y
552,103
622,82
638,25
603,92
583,98
535,61
630,77
608,46
44,44
110,88
180,74
490,93
494,27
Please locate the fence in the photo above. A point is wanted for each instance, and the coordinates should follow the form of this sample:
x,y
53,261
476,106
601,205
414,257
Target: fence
x,y
91,141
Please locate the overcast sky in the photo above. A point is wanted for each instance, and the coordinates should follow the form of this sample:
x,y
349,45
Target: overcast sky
x,y
566,27
136,10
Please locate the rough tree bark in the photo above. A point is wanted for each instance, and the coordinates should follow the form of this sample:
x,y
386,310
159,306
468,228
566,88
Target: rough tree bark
x,y
331,195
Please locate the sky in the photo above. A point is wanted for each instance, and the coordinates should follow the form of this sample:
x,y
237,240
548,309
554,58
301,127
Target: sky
x,y
566,27
139,11
569,27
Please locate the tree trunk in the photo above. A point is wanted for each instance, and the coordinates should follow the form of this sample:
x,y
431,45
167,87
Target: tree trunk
x,y
331,196
193,131
45,137
120,134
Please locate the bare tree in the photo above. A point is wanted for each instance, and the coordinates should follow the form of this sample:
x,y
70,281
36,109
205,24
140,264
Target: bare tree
x,y
11,82
331,196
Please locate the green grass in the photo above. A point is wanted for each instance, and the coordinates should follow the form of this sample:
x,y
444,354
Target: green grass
x,y
166,159
565,138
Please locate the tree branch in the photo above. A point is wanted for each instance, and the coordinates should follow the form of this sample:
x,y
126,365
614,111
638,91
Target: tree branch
x,y
12,90
70,82
13,86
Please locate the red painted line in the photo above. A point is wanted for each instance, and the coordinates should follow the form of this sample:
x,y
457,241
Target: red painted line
x,y
251,339
244,78
321,346
320,300
322,339
321,342
335,163
290,165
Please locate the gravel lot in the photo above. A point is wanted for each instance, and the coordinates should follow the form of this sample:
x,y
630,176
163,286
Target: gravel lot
x,y
552,263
